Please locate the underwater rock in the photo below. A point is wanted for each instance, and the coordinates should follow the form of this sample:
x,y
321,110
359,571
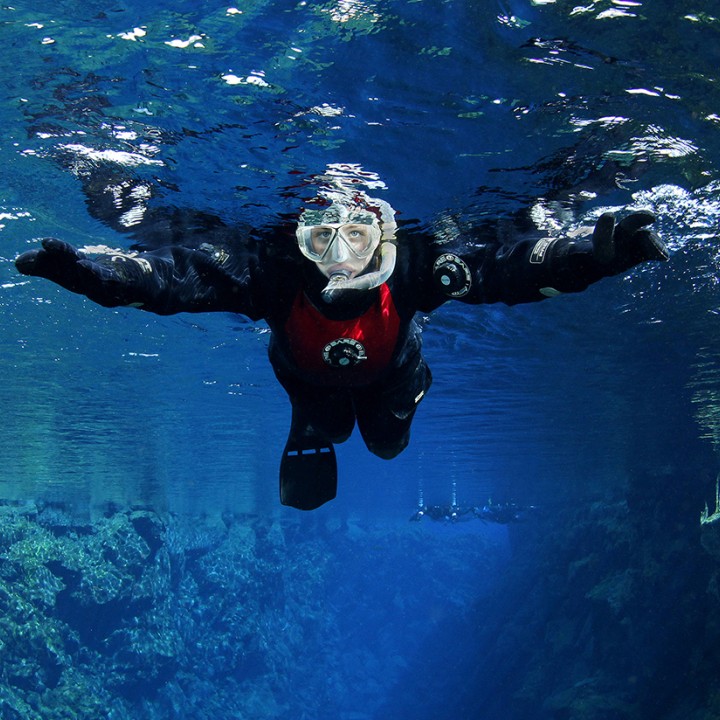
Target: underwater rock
x,y
589,700
618,590
710,539
160,617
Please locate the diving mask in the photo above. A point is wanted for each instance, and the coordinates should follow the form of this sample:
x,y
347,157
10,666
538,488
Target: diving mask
x,y
319,243
342,239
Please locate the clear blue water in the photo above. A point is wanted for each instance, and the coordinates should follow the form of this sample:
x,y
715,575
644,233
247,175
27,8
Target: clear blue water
x,y
463,109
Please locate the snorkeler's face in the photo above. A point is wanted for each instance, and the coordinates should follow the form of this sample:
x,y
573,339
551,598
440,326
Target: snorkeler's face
x,y
344,250
340,249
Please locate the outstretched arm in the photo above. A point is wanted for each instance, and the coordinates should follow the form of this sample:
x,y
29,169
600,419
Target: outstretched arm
x,y
533,269
170,280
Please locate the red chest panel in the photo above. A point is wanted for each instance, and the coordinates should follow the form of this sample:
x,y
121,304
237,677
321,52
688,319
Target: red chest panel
x,y
346,352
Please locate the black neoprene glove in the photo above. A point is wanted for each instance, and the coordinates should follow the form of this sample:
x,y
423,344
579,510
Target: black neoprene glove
x,y
572,265
617,248
106,283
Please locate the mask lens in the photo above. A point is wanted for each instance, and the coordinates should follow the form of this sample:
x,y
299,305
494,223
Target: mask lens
x,y
317,241
358,238
320,239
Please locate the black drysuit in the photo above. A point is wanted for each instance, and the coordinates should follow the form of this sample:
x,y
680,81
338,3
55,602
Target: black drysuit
x,y
359,357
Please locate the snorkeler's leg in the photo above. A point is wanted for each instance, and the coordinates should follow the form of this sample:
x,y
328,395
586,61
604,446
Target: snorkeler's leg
x,y
319,410
385,413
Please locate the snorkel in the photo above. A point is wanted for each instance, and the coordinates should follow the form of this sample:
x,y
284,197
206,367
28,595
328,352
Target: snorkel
x,y
358,211
339,283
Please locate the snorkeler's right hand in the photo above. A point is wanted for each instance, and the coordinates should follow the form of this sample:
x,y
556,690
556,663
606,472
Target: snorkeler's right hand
x,y
70,268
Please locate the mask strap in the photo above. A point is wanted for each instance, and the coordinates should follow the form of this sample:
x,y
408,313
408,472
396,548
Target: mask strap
x,y
387,220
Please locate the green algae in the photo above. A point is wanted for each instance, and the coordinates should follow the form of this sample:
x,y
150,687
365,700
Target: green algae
x,y
233,617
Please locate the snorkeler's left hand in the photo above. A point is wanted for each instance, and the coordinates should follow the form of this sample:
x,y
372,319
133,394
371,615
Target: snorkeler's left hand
x,y
619,247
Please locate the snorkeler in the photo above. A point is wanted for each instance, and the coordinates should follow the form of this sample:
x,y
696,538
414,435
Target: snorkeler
x,y
340,298
443,513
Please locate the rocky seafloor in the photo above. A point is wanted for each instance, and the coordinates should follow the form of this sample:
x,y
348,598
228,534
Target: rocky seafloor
x,y
134,615
602,611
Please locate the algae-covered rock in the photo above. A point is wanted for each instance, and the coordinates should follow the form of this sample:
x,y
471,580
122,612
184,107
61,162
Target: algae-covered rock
x,y
136,615
135,611
589,700
618,590
710,538
64,590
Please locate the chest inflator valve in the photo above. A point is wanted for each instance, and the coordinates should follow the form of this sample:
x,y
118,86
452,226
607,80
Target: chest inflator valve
x,y
452,276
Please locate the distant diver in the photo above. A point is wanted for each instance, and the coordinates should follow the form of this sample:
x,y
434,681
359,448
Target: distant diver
x,y
500,513
339,289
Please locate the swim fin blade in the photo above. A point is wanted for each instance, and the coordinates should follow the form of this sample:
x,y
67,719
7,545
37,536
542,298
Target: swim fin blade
x,y
308,471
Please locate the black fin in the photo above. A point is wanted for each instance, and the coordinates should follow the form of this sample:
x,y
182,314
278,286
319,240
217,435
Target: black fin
x,y
308,470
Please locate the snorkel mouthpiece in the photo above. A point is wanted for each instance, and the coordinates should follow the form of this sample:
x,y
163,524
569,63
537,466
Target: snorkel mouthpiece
x,y
340,283
335,286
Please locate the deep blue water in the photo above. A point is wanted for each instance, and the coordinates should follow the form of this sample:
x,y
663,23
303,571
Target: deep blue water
x,y
461,110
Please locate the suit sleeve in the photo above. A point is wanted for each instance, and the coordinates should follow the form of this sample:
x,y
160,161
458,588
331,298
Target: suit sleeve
x,y
164,281
179,279
525,270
